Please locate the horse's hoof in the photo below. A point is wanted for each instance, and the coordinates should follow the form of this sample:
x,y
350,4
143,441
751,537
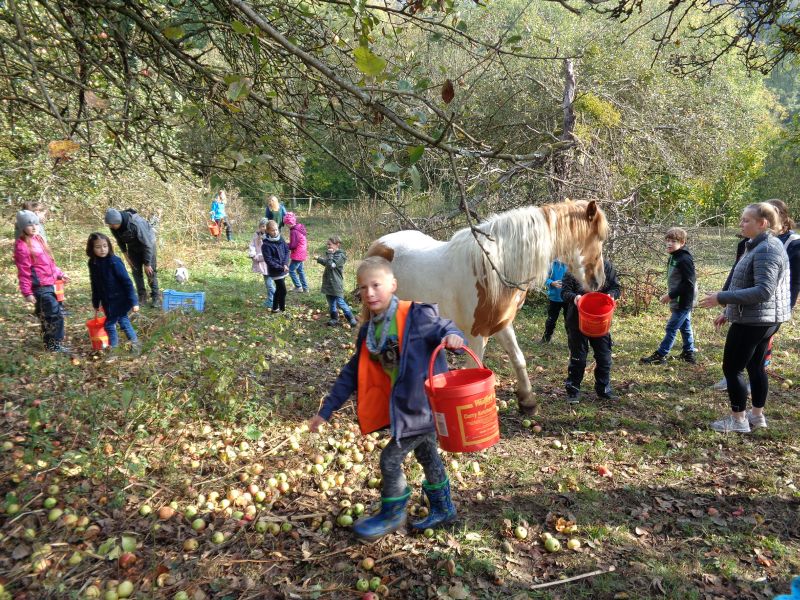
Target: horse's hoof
x,y
528,410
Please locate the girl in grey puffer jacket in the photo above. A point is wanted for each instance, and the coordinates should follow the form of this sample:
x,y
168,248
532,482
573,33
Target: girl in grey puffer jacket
x,y
756,300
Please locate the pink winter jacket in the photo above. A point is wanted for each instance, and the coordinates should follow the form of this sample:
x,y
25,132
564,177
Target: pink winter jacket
x,y
297,242
34,271
254,251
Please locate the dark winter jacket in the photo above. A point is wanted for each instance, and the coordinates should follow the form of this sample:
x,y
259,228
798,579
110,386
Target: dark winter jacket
x,y
793,252
333,277
571,288
681,280
757,289
276,255
136,235
409,410
112,287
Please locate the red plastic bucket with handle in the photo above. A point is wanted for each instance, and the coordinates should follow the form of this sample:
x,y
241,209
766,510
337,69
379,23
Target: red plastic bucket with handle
x,y
595,310
464,406
59,289
213,228
97,332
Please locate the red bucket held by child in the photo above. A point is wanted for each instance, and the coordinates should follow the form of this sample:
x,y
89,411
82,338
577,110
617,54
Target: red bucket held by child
x,y
97,332
213,228
59,290
464,406
595,310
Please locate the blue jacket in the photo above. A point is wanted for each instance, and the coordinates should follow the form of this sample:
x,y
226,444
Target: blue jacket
x,y
409,410
217,210
112,287
557,270
276,255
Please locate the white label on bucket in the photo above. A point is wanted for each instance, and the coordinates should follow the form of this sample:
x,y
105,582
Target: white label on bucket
x,y
441,424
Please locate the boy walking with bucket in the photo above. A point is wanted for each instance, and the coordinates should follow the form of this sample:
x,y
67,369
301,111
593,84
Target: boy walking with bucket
x,y
388,371
681,295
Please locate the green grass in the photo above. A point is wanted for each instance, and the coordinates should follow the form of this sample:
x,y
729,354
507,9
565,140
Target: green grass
x,y
114,434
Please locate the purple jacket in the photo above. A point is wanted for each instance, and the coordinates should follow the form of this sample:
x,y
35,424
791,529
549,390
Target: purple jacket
x,y
297,242
409,411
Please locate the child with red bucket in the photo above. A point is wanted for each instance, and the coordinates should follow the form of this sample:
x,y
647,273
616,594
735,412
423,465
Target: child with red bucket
x,y
571,292
388,371
112,289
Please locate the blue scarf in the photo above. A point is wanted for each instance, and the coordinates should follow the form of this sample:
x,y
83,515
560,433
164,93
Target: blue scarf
x,y
372,345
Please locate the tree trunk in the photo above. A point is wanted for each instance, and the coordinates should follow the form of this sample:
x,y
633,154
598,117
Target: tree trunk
x,y
562,161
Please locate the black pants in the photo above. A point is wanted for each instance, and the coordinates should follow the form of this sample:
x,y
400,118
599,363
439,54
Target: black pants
x,y
553,309
224,222
578,351
279,297
745,348
136,260
51,316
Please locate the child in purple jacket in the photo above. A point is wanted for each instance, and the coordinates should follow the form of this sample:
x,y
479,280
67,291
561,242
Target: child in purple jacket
x,y
299,252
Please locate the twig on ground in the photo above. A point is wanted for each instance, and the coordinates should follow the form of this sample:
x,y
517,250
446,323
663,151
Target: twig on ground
x,y
539,586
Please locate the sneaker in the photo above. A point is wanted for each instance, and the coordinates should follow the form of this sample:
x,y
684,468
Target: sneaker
x,y
573,397
759,422
721,385
297,290
688,356
654,359
136,348
730,423
333,322
609,395
353,322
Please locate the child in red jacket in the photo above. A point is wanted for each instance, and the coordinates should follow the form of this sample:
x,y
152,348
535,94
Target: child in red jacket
x,y
37,273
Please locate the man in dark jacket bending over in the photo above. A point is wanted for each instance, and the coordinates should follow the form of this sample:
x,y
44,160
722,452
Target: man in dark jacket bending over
x,y
137,241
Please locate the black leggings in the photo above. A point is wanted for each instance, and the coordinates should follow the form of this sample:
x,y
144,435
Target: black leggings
x,y
745,348
279,297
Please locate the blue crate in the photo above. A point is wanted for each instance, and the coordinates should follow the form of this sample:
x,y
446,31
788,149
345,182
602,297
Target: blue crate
x,y
183,300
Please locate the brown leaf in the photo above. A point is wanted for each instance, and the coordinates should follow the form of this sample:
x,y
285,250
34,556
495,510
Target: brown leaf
x,y
20,552
62,148
448,93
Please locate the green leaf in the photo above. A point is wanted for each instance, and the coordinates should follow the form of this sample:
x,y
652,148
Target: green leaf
x,y
367,62
404,86
392,167
462,26
240,27
239,90
174,33
253,433
415,153
513,39
416,180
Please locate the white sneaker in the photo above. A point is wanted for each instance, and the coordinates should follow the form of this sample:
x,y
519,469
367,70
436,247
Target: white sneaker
x,y
759,422
730,423
721,385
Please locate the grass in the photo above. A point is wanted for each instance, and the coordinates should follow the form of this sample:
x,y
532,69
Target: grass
x,y
687,513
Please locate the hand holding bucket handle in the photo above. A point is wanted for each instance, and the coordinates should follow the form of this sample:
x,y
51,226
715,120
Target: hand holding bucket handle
x,y
441,347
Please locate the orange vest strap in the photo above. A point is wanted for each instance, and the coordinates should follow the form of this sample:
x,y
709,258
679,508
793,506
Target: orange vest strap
x,y
374,384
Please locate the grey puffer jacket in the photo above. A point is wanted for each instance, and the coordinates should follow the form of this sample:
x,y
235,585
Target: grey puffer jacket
x,y
757,290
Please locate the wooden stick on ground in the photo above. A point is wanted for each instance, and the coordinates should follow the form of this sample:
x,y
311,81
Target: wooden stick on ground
x,y
575,578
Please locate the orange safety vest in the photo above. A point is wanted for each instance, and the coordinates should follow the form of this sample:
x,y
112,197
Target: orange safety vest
x,y
374,384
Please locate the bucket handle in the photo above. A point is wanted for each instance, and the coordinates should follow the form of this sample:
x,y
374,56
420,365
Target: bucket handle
x,y
441,347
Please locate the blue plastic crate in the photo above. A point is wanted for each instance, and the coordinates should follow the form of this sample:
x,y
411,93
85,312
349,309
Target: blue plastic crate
x,y
172,300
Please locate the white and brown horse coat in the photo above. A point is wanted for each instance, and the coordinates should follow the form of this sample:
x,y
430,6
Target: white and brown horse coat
x,y
521,244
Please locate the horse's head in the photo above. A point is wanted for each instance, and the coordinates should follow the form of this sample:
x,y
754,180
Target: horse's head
x,y
582,247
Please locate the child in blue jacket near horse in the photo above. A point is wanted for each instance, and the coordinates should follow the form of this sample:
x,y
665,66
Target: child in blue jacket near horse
x,y
388,371
556,303
112,289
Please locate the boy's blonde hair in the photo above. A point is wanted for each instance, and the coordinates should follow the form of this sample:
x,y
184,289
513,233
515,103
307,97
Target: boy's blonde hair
x,y
374,263
764,210
676,234
271,222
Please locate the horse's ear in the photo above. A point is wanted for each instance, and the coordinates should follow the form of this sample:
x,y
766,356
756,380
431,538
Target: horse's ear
x,y
591,210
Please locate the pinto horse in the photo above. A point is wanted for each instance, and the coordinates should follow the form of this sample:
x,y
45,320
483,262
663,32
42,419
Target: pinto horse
x,y
469,289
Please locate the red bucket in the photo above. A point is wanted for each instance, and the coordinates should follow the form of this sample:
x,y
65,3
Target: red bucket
x,y
97,332
59,289
213,228
595,310
464,406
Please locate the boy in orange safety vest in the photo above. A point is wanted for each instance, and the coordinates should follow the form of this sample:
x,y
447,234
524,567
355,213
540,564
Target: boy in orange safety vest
x,y
388,371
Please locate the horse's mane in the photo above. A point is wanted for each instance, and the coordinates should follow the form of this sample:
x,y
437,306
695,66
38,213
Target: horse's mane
x,y
523,242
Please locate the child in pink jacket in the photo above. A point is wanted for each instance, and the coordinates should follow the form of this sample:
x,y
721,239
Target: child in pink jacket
x,y
37,273
299,252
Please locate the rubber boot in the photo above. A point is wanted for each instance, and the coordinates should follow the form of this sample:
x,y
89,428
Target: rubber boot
x,y
442,509
391,517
